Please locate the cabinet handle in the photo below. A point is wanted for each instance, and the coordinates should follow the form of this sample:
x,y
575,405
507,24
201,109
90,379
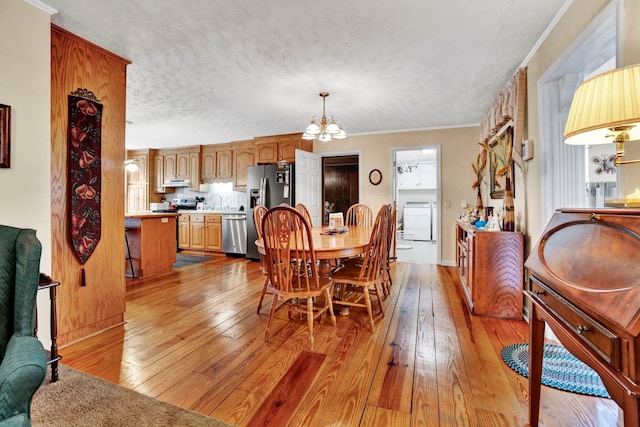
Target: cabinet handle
x,y
580,329
538,292
594,217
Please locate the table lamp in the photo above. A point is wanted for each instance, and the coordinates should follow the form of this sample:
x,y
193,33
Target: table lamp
x,y
606,109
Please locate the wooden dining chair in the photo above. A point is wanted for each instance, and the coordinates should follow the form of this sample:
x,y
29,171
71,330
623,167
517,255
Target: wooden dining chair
x,y
360,278
305,213
359,215
391,250
291,265
258,214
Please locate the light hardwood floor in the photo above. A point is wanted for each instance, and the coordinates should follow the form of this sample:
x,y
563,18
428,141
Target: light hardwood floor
x,y
193,338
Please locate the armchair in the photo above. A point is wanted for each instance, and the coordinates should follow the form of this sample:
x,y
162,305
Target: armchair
x,y
23,364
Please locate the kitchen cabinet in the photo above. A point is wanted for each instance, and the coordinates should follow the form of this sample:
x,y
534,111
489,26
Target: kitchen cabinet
x,y
170,166
213,232
142,160
280,148
180,163
184,240
217,163
196,231
243,157
417,176
137,197
200,232
183,164
490,270
152,242
140,184
159,175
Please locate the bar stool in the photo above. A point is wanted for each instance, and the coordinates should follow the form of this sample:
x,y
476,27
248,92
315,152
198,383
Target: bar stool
x,y
128,255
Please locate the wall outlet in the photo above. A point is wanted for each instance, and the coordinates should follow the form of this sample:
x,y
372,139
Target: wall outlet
x,y
463,203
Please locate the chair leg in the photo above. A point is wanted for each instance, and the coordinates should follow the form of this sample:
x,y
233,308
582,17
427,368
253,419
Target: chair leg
x,y
272,312
378,294
310,321
128,257
367,301
264,291
329,302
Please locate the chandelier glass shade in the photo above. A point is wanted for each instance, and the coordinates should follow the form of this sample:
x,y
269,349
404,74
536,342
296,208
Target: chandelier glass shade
x,y
325,130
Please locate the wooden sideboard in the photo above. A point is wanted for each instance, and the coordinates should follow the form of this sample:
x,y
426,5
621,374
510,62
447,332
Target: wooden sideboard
x,y
584,281
490,270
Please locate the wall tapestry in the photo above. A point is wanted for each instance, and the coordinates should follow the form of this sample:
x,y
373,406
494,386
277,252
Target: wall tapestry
x,y
85,119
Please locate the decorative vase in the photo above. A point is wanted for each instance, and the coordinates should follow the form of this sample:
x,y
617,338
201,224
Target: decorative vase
x,y
508,210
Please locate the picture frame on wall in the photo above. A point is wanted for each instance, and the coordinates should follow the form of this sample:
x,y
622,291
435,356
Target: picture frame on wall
x,y
497,183
5,136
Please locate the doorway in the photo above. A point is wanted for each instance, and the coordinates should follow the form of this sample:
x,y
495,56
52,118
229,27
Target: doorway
x,y
340,189
416,193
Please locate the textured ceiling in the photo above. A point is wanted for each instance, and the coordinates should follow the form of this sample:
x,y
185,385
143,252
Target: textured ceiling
x,y
213,71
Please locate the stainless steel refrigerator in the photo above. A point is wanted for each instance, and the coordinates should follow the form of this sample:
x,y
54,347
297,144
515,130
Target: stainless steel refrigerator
x,y
268,185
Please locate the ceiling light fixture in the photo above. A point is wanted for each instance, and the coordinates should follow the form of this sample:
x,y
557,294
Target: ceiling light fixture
x,y
131,165
326,130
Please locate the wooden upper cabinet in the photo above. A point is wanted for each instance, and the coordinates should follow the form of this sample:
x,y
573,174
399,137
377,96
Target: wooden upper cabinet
x,y
266,152
280,148
217,162
170,166
141,157
182,165
194,171
141,183
224,163
243,157
287,148
159,174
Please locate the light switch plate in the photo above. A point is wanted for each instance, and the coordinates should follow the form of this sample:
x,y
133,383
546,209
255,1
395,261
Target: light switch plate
x,y
527,150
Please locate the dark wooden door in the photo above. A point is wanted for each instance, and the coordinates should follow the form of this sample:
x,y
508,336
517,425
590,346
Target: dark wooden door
x,y
340,184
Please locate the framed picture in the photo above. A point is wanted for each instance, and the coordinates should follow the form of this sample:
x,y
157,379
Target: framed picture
x,y
5,134
497,183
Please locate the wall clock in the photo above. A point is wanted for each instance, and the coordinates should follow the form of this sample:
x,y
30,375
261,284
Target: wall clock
x,y
375,176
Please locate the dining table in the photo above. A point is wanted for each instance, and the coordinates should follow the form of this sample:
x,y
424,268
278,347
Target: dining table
x,y
330,244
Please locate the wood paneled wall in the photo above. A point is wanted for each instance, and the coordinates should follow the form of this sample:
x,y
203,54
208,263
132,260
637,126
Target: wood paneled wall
x,y
83,311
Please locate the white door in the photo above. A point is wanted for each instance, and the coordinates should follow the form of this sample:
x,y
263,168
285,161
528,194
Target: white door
x,y
309,183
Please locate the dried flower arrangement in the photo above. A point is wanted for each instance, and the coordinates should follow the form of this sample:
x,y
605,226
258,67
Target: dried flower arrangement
x,y
478,169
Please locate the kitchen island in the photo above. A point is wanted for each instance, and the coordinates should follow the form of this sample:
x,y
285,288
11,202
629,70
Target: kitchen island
x,y
152,242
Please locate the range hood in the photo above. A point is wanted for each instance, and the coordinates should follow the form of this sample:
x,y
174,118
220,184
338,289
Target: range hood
x,y
176,183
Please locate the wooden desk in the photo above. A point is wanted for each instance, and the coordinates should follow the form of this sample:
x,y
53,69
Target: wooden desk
x,y
585,284
328,247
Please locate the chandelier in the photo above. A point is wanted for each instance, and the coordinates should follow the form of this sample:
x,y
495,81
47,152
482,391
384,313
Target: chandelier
x,y
326,130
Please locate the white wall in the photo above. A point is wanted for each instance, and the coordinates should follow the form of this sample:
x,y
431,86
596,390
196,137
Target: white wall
x,y
25,82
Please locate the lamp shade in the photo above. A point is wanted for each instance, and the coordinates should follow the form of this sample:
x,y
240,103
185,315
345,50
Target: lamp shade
x,y
602,103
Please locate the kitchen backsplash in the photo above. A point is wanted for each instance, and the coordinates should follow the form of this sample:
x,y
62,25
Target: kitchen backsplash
x,y
219,195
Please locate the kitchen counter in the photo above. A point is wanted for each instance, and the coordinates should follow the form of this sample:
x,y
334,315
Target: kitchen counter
x,y
150,214
152,241
213,212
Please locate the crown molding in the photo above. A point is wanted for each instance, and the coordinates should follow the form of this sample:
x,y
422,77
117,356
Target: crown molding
x,y
42,6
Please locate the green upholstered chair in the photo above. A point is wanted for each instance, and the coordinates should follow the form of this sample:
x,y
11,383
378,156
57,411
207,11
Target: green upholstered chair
x,y
23,364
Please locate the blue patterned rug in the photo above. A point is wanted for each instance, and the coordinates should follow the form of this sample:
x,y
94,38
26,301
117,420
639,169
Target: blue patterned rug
x,y
560,369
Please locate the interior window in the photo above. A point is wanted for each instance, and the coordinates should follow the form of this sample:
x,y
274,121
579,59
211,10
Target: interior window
x,y
575,176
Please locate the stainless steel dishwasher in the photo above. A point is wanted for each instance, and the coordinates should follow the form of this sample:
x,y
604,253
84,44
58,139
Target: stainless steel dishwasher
x,y
234,234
